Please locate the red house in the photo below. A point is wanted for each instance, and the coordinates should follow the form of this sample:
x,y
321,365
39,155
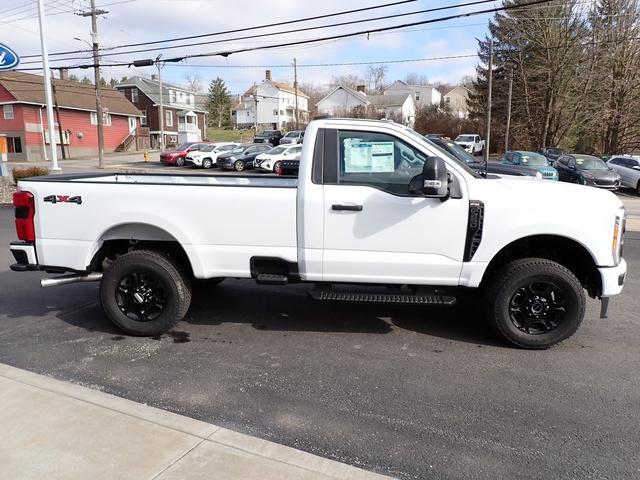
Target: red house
x,y
23,118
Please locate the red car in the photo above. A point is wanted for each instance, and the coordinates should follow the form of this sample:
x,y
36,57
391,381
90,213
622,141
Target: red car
x,y
175,156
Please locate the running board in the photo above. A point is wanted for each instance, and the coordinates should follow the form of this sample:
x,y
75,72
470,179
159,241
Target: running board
x,y
407,299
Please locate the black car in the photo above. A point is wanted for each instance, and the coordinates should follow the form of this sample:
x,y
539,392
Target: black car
x,y
454,149
552,153
587,170
269,136
242,157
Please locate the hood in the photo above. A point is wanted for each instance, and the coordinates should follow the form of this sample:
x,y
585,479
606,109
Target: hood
x,y
601,174
545,169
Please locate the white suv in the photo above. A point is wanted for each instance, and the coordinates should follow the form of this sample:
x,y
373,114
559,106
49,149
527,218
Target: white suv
x,y
628,168
207,156
270,160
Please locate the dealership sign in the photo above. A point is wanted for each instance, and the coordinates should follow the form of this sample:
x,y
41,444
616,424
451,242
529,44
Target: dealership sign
x,y
8,58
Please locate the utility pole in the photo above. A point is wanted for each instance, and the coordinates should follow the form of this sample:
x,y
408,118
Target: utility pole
x,y
159,65
295,89
55,101
255,99
47,88
96,69
489,88
506,135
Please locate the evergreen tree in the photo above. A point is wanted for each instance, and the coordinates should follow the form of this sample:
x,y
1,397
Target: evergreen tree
x,y
219,102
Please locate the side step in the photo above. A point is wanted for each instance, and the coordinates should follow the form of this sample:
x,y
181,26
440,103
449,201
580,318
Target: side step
x,y
409,299
272,279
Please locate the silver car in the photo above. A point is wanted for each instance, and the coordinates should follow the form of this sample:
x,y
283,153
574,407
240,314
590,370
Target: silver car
x,y
628,168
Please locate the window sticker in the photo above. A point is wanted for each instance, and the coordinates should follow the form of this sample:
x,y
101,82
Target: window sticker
x,y
368,157
579,161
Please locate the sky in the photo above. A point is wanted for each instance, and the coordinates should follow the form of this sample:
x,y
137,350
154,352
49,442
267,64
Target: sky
x,y
133,21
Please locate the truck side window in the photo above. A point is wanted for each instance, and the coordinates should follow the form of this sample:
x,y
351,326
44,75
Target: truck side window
x,y
377,159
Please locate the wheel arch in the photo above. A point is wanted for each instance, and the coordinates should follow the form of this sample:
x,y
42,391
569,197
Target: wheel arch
x,y
563,250
126,237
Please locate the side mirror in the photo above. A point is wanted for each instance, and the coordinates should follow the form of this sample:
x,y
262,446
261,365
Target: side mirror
x,y
572,167
435,178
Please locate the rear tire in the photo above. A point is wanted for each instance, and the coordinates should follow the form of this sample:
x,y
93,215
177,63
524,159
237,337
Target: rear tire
x,y
638,188
535,303
144,293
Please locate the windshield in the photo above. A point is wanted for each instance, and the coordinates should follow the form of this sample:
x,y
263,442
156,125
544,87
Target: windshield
x,y
464,138
239,149
555,151
460,152
225,148
590,163
291,134
277,150
421,140
183,146
531,159
207,148
268,132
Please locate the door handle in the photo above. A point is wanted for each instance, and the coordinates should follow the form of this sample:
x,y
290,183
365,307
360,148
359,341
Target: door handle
x,y
353,208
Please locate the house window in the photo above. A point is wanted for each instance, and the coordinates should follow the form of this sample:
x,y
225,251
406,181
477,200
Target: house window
x,y
417,96
8,112
168,118
106,121
275,112
134,95
14,144
447,99
172,96
143,120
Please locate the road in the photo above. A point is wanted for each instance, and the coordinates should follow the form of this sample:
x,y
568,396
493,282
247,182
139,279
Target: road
x,y
410,392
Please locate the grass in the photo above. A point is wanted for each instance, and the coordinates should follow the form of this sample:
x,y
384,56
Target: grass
x,y
215,134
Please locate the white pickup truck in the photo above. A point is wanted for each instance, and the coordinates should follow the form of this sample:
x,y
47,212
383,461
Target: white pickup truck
x,y
378,214
473,144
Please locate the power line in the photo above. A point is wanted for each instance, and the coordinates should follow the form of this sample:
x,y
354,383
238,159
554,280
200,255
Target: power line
x,y
316,40
285,32
238,30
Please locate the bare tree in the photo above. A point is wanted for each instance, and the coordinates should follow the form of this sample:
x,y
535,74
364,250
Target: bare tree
x,y
350,81
194,81
416,79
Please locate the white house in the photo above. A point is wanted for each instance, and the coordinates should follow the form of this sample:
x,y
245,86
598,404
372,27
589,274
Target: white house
x,y
275,103
455,101
423,95
343,100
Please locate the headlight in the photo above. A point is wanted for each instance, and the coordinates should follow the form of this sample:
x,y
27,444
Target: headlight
x,y
618,236
539,176
232,158
587,176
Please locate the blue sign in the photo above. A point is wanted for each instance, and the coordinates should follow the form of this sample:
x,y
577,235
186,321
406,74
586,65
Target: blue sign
x,y
8,58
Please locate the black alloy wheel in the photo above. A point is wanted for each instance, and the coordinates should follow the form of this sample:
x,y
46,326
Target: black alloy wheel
x,y
537,308
179,161
140,296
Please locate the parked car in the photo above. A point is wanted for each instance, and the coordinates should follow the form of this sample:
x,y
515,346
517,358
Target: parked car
x,y
628,168
242,157
175,156
292,137
494,168
551,153
207,156
521,158
270,160
471,143
269,136
289,167
587,170
375,205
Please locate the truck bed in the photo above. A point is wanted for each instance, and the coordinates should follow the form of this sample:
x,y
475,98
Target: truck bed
x,y
220,229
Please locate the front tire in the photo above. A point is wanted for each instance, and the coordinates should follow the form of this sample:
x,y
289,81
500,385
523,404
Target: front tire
x,y
207,163
238,166
275,166
179,162
535,303
144,293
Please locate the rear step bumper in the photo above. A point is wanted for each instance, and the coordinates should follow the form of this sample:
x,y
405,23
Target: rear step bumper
x,y
365,297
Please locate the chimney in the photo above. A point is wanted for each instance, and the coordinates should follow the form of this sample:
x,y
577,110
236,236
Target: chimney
x,y
154,77
267,75
64,74
360,88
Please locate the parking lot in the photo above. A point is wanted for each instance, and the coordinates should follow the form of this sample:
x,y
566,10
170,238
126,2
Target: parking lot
x,y
410,392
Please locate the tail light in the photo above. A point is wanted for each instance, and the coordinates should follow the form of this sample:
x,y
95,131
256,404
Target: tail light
x,y
25,208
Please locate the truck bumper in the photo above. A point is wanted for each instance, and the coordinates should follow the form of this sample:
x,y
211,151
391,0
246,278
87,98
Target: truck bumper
x,y
25,255
613,279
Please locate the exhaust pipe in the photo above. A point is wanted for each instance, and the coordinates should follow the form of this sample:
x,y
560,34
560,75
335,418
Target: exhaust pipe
x,y
68,279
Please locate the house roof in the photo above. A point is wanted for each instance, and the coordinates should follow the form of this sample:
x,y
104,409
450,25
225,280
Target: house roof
x,y
151,89
411,85
388,100
285,87
358,95
455,88
28,88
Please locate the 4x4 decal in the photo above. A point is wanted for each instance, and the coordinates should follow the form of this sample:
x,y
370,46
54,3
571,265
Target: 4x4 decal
x,y
63,199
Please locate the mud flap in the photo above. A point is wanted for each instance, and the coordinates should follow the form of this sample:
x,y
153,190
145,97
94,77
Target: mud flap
x,y
604,307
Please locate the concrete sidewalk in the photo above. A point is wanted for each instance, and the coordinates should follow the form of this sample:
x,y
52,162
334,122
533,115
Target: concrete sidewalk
x,y
53,429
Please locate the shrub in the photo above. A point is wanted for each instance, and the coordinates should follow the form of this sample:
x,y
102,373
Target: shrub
x,y
20,173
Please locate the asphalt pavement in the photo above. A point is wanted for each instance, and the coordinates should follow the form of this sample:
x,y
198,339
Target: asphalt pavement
x,y
411,392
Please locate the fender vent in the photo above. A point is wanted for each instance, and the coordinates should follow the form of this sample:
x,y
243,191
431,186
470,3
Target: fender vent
x,y
474,229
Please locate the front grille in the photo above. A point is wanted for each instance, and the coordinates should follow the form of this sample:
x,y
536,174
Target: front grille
x,y
605,183
548,174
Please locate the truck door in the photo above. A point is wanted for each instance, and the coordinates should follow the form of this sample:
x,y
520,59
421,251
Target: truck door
x,y
375,231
